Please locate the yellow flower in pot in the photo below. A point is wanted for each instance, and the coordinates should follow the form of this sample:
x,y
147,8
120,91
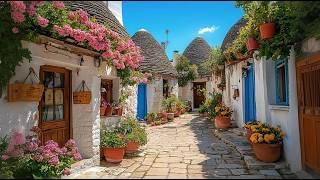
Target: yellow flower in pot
x,y
267,142
222,119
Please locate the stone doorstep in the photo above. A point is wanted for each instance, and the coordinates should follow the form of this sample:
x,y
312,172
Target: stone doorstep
x,y
239,142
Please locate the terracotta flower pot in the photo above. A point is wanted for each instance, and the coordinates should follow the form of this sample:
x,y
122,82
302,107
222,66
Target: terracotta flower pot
x,y
252,44
132,147
118,111
102,111
113,155
222,122
170,116
108,111
267,152
183,111
267,30
249,133
177,114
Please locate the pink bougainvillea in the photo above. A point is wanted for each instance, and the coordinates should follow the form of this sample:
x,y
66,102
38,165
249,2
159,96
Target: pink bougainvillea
x,y
58,4
18,9
43,22
15,30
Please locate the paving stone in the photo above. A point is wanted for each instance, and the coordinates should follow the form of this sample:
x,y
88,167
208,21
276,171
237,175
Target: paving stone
x,y
154,177
196,176
177,176
168,160
230,166
269,172
239,172
142,169
160,165
222,172
158,172
137,175
195,166
178,171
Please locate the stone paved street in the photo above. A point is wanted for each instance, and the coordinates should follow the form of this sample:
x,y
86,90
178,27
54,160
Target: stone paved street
x,y
185,148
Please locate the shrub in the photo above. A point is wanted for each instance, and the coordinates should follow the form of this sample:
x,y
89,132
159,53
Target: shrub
x,y
169,104
112,139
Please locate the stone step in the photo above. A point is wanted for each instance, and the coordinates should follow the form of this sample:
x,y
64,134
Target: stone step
x,y
236,137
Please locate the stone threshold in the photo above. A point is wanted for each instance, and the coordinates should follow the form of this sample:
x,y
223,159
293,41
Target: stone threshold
x,y
236,137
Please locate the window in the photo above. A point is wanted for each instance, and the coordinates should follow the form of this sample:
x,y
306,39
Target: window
x,y
282,82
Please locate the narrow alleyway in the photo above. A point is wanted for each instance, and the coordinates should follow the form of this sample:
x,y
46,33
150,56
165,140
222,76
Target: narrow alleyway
x,y
185,148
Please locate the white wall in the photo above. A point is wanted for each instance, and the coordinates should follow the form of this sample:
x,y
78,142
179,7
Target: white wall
x,y
155,94
86,118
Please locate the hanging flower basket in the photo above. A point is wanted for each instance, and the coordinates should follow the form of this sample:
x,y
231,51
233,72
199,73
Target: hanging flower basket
x,y
267,30
81,96
252,44
25,92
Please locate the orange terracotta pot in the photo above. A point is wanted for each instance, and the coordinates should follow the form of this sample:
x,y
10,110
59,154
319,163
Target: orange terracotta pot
x,y
113,155
177,114
118,111
132,147
267,30
222,122
267,152
108,111
252,44
170,116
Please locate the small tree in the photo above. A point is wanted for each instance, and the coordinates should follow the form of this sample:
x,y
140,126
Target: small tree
x,y
215,62
186,71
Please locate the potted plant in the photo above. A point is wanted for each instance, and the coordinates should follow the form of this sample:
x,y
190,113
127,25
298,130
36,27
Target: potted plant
x,y
267,143
108,111
202,110
251,127
169,105
179,107
252,43
113,144
264,17
103,106
222,120
151,117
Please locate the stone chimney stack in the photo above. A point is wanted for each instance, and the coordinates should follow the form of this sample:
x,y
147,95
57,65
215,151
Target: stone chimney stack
x,y
175,57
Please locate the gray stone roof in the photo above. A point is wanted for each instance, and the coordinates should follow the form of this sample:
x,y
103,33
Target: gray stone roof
x,y
198,51
155,58
100,11
232,34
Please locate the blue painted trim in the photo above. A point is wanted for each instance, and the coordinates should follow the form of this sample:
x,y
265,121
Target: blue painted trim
x,y
249,96
285,63
142,105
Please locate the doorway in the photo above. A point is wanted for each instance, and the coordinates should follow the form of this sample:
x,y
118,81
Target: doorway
x,y
142,102
198,94
308,85
249,96
55,105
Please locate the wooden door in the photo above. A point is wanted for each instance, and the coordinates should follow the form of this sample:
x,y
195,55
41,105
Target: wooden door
x,y
308,84
55,105
198,96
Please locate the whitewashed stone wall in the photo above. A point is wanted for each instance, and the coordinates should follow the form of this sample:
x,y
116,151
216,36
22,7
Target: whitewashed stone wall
x,y
86,118
132,102
155,94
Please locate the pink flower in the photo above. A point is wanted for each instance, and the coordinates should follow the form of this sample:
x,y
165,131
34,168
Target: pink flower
x,y
107,54
4,157
43,22
58,4
68,30
60,31
38,158
70,143
72,15
32,10
83,16
54,160
17,10
79,35
64,150
17,17
31,146
66,172
15,30
77,157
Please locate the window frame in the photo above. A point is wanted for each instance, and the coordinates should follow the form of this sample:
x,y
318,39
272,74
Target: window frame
x,y
285,64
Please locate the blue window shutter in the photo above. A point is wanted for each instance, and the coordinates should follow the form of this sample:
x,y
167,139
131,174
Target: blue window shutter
x,y
278,99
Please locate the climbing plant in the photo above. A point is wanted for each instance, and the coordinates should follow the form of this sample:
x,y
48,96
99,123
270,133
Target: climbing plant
x,y
186,71
215,63
25,20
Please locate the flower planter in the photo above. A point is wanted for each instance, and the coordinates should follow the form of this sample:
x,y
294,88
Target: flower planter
x,y
102,111
132,147
249,133
113,155
183,111
222,122
108,111
118,111
252,44
267,152
170,116
267,30
177,114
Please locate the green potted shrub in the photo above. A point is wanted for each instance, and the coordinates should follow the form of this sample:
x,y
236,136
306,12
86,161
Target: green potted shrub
x,y
169,105
203,109
136,138
151,117
113,144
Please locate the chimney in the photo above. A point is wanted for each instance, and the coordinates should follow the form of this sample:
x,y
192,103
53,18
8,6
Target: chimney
x,y
175,56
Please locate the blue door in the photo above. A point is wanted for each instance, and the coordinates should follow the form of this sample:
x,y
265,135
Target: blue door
x,y
249,96
142,101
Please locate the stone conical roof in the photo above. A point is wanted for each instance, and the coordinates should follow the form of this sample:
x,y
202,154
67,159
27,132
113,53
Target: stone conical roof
x,y
232,34
198,51
155,58
100,11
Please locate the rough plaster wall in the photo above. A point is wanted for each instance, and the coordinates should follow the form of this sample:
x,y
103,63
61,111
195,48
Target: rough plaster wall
x,y
86,118
131,107
155,94
234,80
175,89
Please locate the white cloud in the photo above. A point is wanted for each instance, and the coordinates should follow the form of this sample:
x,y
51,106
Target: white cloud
x,y
208,29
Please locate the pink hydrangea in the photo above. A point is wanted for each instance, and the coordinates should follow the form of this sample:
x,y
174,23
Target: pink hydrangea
x,y
31,146
17,17
43,22
54,160
38,158
51,145
15,30
4,157
58,4
77,156
70,143
66,172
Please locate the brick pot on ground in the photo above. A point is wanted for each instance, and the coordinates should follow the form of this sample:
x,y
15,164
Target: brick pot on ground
x,y
222,122
177,114
267,152
113,155
170,116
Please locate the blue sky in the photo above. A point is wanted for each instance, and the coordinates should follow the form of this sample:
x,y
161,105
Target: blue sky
x,y
184,20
